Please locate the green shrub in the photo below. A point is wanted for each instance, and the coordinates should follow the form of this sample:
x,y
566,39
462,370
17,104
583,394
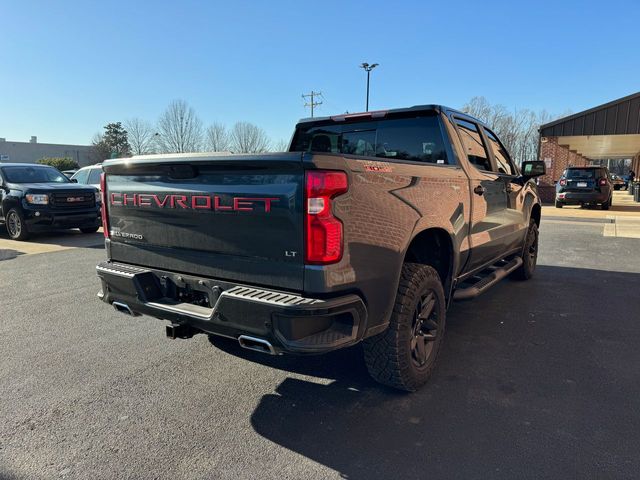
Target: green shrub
x,y
61,163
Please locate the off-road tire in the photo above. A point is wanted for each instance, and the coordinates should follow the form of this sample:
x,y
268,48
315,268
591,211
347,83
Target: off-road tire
x,y
89,230
16,226
390,355
529,254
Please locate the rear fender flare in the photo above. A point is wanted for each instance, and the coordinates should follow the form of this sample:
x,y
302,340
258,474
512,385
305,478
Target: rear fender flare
x,y
454,263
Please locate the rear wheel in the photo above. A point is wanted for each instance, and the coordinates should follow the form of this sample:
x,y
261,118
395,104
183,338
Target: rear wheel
x,y
558,204
89,230
16,227
606,205
529,254
404,355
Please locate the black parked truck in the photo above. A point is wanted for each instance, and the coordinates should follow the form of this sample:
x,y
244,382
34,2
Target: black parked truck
x,y
39,198
365,231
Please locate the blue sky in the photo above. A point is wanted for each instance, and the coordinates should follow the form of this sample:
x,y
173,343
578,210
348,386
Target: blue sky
x,y
68,68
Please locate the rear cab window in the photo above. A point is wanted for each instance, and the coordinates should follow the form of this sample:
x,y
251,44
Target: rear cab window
x,y
416,139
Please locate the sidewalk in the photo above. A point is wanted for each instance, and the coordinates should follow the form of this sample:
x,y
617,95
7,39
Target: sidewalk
x,y
628,227
48,242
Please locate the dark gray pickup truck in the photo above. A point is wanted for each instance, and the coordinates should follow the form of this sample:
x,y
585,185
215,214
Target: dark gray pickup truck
x,y
365,231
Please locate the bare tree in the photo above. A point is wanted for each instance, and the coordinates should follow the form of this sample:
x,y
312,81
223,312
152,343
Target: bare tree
x,y
518,130
179,129
248,138
281,146
217,138
141,136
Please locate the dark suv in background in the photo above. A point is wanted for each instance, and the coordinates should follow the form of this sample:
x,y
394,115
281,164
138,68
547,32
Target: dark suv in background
x,y
584,186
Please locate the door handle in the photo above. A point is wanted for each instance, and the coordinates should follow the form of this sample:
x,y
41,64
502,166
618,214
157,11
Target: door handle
x,y
479,190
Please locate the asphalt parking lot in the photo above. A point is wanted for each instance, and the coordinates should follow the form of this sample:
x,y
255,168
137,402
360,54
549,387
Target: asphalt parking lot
x,y
537,380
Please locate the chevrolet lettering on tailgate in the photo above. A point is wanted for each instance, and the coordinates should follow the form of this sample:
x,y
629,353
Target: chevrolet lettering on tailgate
x,y
190,201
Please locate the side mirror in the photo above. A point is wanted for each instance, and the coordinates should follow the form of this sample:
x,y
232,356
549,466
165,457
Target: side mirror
x,y
533,169
74,180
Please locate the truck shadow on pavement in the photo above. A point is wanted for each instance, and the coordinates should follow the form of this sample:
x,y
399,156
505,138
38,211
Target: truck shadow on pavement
x,y
536,380
8,254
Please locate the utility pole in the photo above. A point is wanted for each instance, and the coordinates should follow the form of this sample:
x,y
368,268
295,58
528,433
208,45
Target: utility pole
x,y
312,103
368,68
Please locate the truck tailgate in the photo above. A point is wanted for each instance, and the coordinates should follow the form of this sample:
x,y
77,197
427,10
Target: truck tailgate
x,y
237,217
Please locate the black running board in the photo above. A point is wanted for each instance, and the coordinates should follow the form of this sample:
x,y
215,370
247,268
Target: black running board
x,y
486,282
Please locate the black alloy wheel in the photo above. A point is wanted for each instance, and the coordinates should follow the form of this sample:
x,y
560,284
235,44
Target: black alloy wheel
x,y
425,329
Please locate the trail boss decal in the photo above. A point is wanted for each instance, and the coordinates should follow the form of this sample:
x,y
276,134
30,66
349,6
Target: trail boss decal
x,y
192,202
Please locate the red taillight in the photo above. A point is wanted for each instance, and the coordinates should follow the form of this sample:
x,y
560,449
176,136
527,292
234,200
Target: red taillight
x,y
323,230
563,182
103,208
603,182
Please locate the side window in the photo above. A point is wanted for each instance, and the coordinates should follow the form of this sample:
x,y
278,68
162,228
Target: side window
x,y
500,153
418,139
81,175
474,146
94,176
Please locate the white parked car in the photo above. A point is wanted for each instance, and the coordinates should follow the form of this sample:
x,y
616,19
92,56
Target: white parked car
x,y
88,175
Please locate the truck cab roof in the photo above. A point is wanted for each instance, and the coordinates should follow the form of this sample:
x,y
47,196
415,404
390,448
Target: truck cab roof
x,y
408,111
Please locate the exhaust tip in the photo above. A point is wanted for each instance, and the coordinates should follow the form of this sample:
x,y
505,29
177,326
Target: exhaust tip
x,y
256,344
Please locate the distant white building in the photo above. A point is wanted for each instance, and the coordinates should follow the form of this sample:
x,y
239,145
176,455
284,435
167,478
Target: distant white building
x,y
32,151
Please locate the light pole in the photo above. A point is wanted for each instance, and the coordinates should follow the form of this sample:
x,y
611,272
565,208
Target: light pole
x,y
368,68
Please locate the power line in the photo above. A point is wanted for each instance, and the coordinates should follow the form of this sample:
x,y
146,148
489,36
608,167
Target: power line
x,y
312,104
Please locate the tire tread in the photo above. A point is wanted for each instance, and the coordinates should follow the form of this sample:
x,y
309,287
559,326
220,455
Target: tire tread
x,y
385,354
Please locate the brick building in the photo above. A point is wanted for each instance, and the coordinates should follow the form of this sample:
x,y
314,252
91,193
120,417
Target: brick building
x,y
608,131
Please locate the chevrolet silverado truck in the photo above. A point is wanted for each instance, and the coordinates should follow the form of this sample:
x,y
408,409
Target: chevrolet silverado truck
x,y
364,231
38,198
